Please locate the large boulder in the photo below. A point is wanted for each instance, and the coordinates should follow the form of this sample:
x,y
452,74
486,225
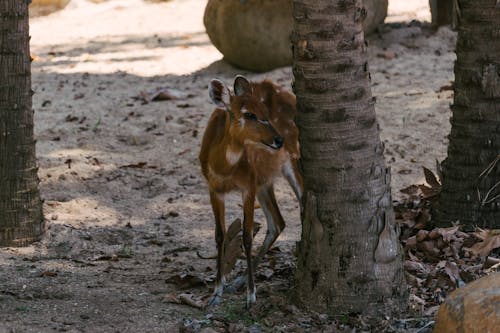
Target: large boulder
x,y
45,7
474,308
255,34
56,3
376,11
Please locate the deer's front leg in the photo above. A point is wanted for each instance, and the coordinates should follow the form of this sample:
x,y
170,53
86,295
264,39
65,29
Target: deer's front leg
x,y
248,212
217,201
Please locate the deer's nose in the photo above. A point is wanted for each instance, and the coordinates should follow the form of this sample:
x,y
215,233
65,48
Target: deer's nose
x,y
278,141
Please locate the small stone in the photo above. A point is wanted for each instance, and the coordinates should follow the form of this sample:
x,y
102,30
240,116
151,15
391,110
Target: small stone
x,y
388,55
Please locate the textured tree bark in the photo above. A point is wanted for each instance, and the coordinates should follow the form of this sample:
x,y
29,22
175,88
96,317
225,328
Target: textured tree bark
x,y
441,12
21,220
471,172
349,256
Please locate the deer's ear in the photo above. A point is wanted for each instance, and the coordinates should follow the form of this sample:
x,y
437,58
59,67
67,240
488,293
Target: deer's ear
x,y
242,86
219,94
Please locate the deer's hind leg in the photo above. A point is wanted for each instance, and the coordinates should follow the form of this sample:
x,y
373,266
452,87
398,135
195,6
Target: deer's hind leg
x,y
293,176
275,222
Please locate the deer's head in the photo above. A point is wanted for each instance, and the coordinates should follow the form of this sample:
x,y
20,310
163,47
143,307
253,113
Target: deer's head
x,y
248,113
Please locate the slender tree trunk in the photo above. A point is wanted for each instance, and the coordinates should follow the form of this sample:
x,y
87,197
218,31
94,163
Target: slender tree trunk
x,y
471,172
349,256
21,220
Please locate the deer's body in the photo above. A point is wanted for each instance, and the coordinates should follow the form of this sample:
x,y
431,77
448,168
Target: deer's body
x,y
250,140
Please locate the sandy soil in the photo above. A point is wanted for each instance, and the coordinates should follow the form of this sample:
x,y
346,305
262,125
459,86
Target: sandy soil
x,y
125,202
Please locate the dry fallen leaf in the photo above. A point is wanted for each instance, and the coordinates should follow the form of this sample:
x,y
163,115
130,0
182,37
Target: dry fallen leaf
x,y
412,280
184,298
70,118
265,274
430,312
490,241
388,55
439,169
161,94
232,246
189,299
411,243
139,165
490,262
436,263
422,235
429,249
446,233
428,192
204,256
416,267
171,298
453,273
446,87
47,274
434,184
416,303
106,257
410,190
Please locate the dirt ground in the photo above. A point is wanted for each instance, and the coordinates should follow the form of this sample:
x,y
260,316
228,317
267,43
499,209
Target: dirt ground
x,y
127,209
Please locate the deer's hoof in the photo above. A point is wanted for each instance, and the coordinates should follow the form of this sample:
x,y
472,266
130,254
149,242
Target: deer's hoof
x,y
251,299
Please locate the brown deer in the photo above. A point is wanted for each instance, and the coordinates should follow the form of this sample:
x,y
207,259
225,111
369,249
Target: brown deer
x,y
250,140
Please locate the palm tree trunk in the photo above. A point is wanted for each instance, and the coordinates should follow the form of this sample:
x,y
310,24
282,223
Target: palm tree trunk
x,y
21,220
441,12
471,172
349,256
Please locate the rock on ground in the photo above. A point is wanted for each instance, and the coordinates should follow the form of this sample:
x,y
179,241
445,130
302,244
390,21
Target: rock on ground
x,y
255,34
473,308
45,7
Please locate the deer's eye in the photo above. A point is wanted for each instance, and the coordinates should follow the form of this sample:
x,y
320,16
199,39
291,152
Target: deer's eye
x,y
250,116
